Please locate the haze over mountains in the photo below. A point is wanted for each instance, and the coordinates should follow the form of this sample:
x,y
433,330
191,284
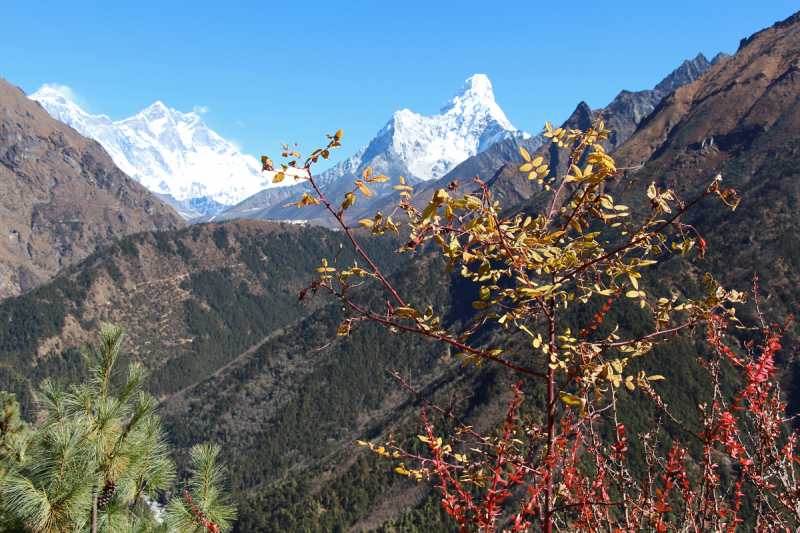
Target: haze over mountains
x,y
212,308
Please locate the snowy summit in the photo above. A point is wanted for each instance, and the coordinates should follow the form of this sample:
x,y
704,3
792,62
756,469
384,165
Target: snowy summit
x,y
177,156
429,147
173,154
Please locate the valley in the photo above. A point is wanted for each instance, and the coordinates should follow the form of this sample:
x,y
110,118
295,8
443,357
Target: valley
x,y
238,358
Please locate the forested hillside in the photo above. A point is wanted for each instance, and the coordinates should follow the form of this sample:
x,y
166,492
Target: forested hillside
x,y
288,413
193,301
237,360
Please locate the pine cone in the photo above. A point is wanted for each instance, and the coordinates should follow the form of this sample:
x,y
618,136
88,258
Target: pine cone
x,y
108,492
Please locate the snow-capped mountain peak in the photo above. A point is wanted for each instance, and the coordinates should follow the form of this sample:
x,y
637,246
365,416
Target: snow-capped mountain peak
x,y
429,147
478,88
173,154
179,158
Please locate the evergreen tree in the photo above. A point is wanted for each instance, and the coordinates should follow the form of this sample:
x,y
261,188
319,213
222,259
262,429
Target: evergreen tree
x,y
14,435
99,449
205,505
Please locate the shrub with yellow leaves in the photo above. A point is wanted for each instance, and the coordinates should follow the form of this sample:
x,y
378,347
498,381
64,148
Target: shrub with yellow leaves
x,y
528,269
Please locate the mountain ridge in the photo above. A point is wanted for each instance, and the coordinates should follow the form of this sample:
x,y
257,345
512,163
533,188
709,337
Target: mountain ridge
x,y
622,117
173,154
498,166
468,124
62,196
418,148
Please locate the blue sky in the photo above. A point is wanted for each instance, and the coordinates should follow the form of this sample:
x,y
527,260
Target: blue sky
x,y
268,71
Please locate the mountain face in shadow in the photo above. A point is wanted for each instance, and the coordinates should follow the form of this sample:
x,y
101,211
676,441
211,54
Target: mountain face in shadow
x,y
622,116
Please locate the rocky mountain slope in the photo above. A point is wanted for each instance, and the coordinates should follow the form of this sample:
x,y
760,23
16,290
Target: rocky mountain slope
x,y
173,154
622,116
740,120
61,196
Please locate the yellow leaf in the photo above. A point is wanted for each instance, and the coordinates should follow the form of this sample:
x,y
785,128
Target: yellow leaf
x,y
569,399
526,167
632,294
654,378
363,189
403,311
538,161
278,177
428,212
367,223
338,135
525,155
